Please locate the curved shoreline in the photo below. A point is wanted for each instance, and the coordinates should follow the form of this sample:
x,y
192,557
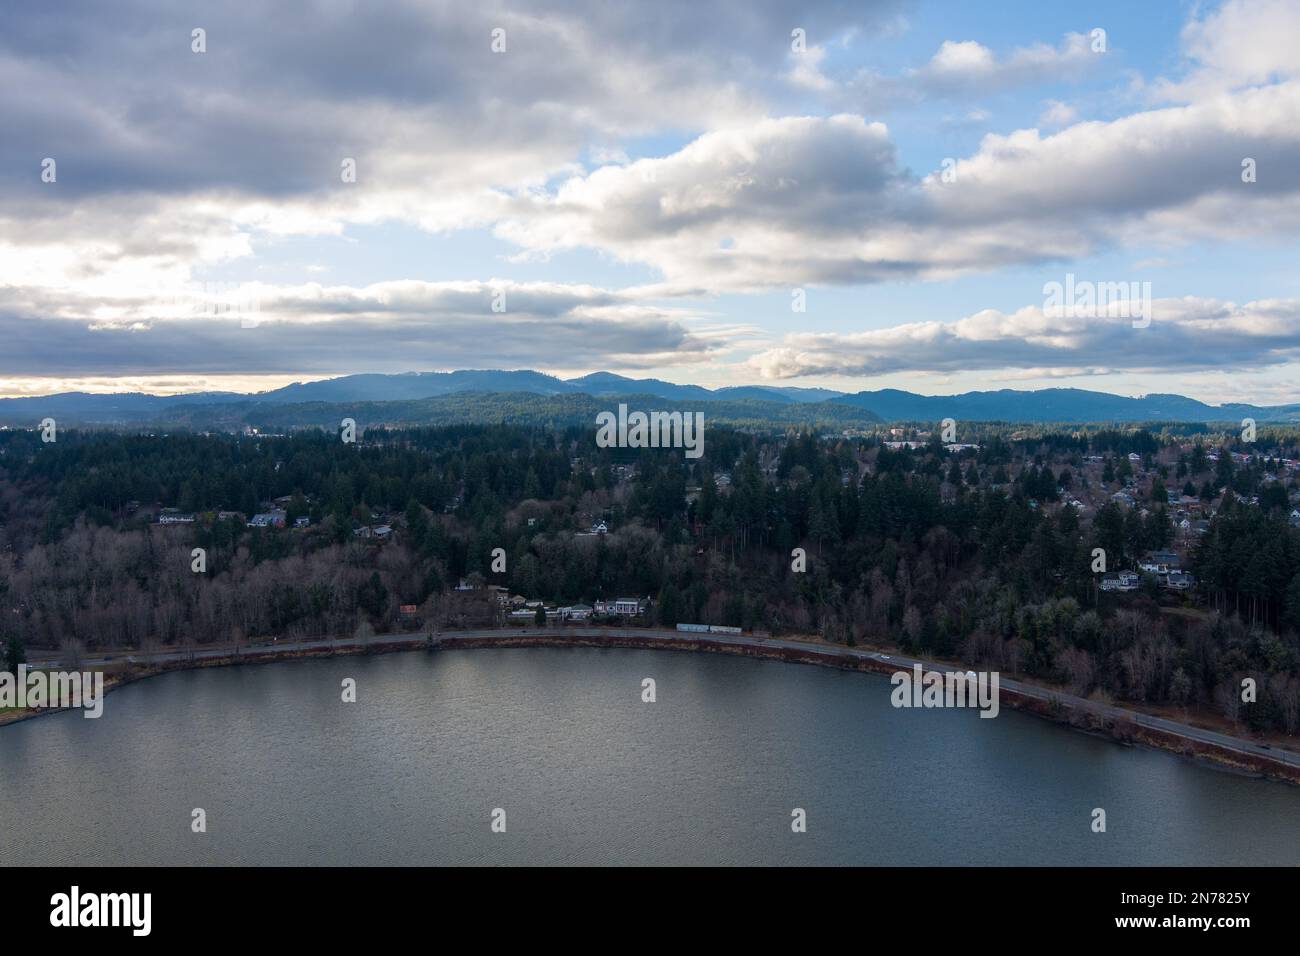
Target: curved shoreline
x,y
1118,724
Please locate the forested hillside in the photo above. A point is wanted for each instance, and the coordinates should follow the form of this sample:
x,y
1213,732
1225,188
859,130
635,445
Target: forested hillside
x,y
985,553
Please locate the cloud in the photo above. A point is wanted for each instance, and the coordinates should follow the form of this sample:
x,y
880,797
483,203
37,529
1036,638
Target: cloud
x,y
171,163
170,160
807,200
1058,114
805,71
967,67
389,326
1185,335
1240,43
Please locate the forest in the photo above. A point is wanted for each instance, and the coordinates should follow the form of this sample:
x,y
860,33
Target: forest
x,y
973,555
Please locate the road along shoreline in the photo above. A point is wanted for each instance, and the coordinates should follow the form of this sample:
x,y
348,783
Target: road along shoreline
x,y
1118,724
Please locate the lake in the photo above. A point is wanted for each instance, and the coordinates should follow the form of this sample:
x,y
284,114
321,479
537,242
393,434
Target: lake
x,y
587,773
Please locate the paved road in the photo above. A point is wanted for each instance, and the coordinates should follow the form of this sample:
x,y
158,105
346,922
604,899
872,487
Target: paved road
x,y
450,638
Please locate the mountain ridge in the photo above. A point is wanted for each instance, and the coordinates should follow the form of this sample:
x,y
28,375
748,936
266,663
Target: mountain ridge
x,y
1064,405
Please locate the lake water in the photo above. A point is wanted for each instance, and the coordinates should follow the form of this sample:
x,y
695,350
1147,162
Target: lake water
x,y
587,773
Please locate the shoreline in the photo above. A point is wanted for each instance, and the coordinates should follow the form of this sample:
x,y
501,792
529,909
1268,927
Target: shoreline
x,y
1119,725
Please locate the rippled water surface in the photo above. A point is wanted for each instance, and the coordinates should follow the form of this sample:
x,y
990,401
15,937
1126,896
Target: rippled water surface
x,y
588,773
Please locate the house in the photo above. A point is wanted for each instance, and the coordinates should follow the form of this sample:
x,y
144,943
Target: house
x,y
1120,581
1123,498
576,612
464,586
175,517
1170,558
230,516
268,519
301,522
1180,580
600,527
627,607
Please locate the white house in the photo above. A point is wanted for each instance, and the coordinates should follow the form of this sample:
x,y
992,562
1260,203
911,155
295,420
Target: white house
x,y
1120,581
628,607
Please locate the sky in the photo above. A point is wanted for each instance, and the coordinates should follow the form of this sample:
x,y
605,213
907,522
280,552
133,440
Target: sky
x,y
933,196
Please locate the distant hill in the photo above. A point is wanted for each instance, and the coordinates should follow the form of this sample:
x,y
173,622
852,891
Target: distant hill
x,y
508,389
88,408
607,383
1057,405
515,408
413,385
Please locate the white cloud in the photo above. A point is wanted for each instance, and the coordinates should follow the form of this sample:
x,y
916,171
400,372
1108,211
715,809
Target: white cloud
x,y
1184,335
969,67
1058,114
1239,43
805,71
802,200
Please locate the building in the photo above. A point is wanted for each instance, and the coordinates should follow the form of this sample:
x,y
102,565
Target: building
x,y
175,517
268,519
576,612
1120,581
627,607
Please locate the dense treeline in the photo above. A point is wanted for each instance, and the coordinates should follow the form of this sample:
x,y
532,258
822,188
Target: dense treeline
x,y
967,555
